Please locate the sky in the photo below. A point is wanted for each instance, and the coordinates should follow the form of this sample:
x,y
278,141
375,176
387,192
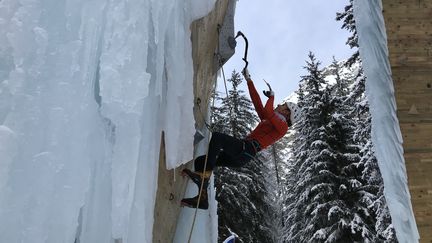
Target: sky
x,y
281,33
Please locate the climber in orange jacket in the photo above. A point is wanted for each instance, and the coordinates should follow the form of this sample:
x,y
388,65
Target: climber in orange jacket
x,y
225,150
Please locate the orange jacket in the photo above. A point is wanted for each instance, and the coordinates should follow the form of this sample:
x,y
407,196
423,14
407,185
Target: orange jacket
x,y
272,127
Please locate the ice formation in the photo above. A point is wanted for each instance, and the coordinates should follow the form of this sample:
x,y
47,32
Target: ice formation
x,y
86,87
386,133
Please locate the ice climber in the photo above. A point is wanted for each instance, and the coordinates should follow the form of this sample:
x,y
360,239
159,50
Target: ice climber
x,y
225,150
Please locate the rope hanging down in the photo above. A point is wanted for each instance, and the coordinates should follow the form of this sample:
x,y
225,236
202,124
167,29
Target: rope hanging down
x,y
203,172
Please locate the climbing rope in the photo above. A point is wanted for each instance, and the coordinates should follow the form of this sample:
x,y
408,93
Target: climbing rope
x,y
203,172
200,192
208,142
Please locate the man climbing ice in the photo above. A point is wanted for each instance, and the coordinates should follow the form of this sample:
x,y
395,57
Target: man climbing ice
x,y
225,150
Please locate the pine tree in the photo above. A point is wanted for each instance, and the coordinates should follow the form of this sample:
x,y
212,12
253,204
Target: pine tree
x,y
274,159
368,162
301,173
219,119
356,191
242,196
330,197
349,24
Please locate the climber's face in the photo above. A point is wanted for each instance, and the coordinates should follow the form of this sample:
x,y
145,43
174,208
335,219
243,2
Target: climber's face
x,y
283,109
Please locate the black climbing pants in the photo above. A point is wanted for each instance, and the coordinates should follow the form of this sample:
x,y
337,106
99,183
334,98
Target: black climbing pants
x,y
225,150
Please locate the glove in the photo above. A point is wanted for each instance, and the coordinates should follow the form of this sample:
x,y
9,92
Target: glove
x,y
268,93
246,74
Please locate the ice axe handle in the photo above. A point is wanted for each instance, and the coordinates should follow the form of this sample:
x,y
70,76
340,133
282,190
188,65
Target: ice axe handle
x,y
268,85
246,48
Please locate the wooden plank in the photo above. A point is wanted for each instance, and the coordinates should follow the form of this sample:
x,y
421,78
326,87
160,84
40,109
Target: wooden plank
x,y
425,234
403,60
394,19
406,42
417,136
420,170
399,9
410,29
413,83
415,162
419,181
413,86
421,12
421,100
405,118
423,219
416,3
414,52
413,36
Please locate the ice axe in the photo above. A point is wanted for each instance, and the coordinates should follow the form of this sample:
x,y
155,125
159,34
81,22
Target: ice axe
x,y
246,48
268,85
270,92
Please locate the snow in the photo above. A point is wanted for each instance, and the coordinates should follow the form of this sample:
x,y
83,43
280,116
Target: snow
x,y
86,87
386,134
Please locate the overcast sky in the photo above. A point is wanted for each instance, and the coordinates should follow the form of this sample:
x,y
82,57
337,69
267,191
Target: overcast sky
x,y
281,33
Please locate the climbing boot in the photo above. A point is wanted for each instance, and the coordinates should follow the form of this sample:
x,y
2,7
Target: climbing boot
x,y
196,177
193,202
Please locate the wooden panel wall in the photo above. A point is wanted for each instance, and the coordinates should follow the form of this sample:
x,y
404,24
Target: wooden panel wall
x,y
409,32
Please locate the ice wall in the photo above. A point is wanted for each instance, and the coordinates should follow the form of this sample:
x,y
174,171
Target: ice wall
x,y
386,133
86,87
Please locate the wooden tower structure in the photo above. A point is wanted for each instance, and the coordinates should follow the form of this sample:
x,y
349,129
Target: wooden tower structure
x,y
409,32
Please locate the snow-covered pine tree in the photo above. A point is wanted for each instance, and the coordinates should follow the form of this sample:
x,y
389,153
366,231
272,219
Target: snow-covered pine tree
x,y
327,200
355,192
302,169
347,17
360,112
274,158
241,192
218,120
368,163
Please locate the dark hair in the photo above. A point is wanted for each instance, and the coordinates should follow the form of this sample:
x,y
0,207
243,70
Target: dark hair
x,y
288,118
289,121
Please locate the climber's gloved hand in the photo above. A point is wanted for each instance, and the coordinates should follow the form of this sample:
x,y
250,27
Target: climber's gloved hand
x,y
268,93
246,74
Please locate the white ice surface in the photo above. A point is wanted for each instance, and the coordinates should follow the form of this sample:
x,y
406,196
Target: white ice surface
x,y
86,87
386,134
